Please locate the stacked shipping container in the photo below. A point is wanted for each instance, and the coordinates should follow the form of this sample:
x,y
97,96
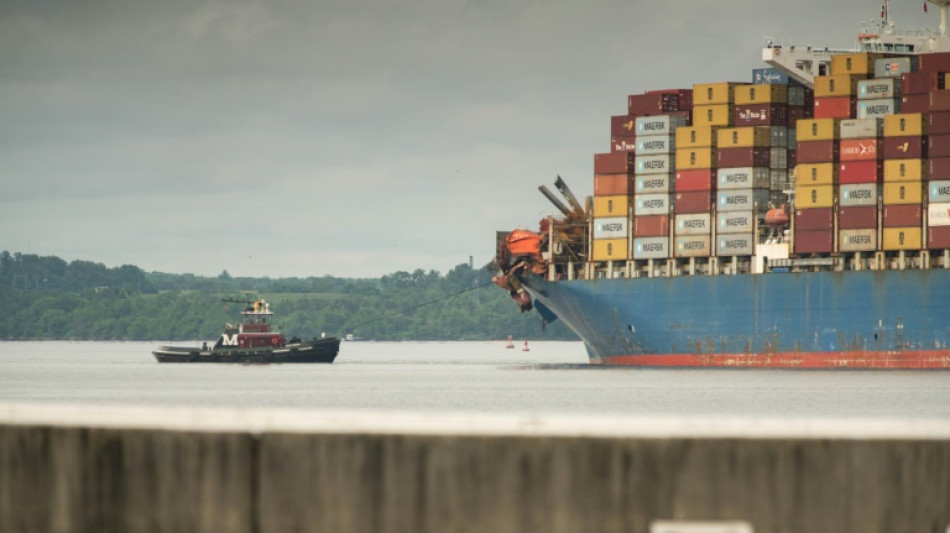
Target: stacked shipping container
x,y
903,191
859,176
613,185
693,189
883,155
654,179
616,175
925,91
816,181
870,149
697,161
742,181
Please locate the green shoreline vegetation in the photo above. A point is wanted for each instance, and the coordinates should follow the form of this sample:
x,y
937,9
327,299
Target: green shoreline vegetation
x,y
47,298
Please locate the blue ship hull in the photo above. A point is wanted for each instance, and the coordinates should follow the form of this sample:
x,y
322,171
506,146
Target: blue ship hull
x,y
881,319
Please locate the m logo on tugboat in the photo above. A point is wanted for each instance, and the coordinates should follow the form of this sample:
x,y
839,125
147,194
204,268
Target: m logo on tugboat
x,y
229,340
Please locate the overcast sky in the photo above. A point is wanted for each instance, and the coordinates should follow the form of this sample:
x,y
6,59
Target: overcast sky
x,y
343,137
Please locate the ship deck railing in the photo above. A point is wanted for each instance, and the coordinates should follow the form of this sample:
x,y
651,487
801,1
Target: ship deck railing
x,y
738,265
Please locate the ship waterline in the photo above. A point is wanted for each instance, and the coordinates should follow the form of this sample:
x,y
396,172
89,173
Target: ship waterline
x,y
885,319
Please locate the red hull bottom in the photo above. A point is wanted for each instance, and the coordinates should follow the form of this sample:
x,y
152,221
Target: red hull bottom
x,y
884,360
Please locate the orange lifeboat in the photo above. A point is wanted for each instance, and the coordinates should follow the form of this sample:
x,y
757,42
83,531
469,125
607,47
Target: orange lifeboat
x,y
524,242
777,217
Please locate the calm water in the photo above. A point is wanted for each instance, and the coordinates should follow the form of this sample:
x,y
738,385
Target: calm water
x,y
551,378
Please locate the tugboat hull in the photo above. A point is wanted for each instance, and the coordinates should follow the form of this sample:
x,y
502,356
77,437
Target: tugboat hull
x,y
316,351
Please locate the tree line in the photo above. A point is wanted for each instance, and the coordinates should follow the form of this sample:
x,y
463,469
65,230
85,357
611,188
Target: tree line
x,y
49,298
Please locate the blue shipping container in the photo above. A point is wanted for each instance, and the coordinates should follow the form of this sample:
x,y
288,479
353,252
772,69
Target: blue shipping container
x,y
771,76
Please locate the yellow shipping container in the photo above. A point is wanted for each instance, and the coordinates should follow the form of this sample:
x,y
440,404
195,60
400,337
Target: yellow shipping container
x,y
614,205
903,170
905,125
744,137
857,63
696,136
761,94
811,174
610,250
903,192
832,86
714,93
691,158
807,197
902,239
816,129
713,115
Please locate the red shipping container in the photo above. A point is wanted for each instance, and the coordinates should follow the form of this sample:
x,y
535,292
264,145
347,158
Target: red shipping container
x,y
692,202
837,107
652,104
817,151
860,172
813,219
860,149
614,163
938,237
761,115
814,242
917,83
651,226
896,216
938,123
933,63
915,103
938,146
623,145
938,168
623,126
678,92
940,101
743,157
685,96
857,217
904,148
701,179
613,184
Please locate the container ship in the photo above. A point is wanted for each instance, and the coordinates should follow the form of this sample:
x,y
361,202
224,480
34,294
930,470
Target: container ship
x,y
798,219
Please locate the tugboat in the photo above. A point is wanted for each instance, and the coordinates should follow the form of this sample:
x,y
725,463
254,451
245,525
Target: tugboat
x,y
253,341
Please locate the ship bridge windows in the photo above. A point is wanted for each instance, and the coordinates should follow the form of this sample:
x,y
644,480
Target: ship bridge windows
x,y
257,319
898,48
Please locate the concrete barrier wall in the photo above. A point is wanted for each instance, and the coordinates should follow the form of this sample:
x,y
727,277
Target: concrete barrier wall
x,y
258,475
